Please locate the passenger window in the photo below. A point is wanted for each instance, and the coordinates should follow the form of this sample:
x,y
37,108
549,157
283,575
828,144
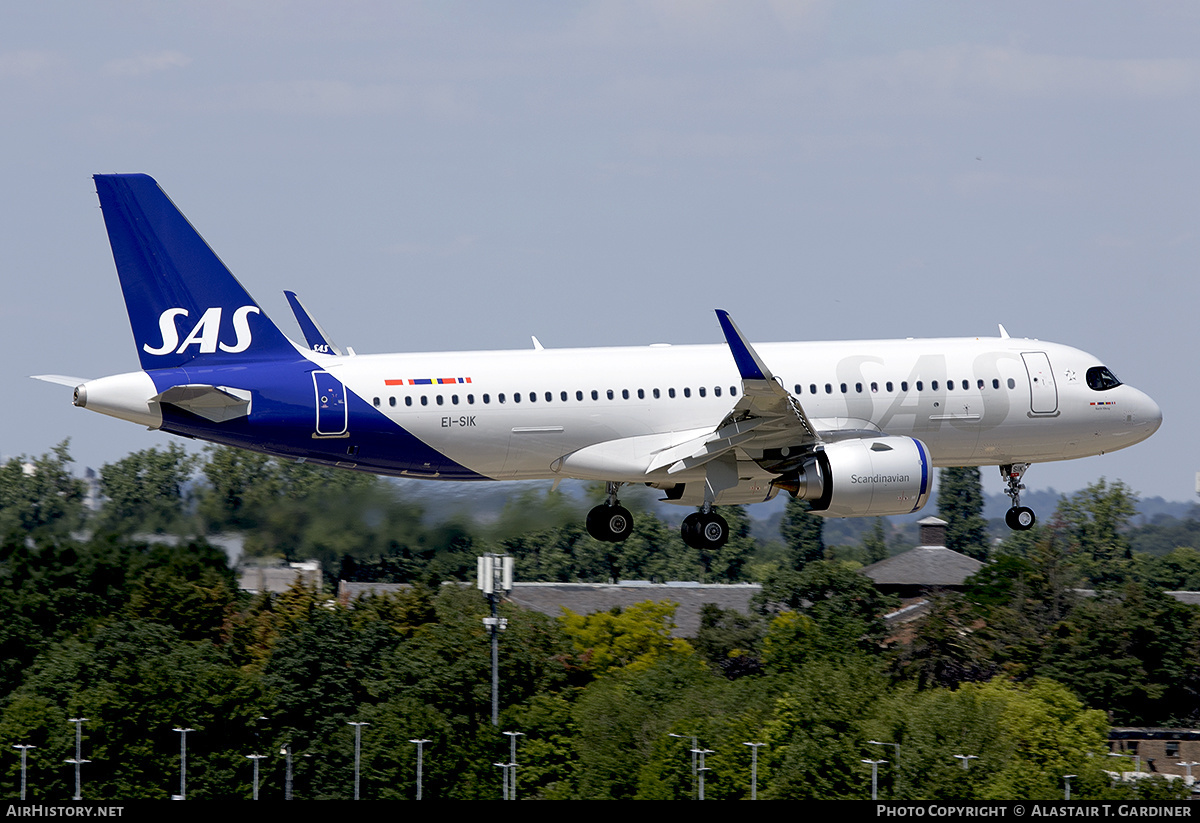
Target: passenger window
x,y
733,391
995,383
702,392
376,401
391,401
500,397
579,396
874,387
888,386
424,400
687,392
563,396
609,394
671,393
717,391
656,394
858,387
904,385
812,388
641,394
439,400
487,398
533,397
949,385
624,394
920,385
844,388
828,388
1012,384
470,400
408,400
454,399
595,394
797,389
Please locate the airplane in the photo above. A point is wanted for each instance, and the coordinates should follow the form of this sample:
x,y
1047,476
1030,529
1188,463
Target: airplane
x,y
854,427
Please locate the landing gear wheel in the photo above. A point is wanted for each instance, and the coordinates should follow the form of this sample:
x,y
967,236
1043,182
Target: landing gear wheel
x,y
714,531
690,530
611,524
1020,518
704,531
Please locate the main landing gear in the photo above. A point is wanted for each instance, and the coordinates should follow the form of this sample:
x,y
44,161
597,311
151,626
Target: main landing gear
x,y
1019,518
705,530
610,521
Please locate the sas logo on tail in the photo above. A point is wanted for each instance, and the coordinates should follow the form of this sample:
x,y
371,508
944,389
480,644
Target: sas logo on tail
x,y
205,333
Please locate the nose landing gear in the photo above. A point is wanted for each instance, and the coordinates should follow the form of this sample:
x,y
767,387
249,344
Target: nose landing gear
x,y
1018,518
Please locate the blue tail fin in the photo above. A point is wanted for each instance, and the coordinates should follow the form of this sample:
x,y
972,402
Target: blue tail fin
x,y
184,306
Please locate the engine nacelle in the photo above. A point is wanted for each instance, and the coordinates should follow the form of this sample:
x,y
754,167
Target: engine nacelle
x,y
864,477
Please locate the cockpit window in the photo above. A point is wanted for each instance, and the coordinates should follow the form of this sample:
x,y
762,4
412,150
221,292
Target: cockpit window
x,y
1100,378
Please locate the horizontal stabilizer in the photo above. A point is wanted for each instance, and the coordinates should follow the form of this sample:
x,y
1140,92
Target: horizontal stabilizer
x,y
215,403
60,379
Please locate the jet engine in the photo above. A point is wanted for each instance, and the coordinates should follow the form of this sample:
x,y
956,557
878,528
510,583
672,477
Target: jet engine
x,y
863,477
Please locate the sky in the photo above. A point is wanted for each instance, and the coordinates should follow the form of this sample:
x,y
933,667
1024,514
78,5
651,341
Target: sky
x,y
453,175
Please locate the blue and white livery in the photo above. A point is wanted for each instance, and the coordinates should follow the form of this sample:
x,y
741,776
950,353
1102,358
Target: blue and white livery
x,y
855,427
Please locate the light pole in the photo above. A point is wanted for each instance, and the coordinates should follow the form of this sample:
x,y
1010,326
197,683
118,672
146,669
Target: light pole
x,y
695,746
754,768
512,761
966,759
495,576
78,759
183,733
895,764
1067,786
24,747
357,751
286,751
701,769
420,762
874,777
255,758
504,774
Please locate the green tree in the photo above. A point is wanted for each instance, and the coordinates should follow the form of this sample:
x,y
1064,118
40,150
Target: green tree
x,y
1097,522
875,543
146,491
960,504
40,495
802,533
635,636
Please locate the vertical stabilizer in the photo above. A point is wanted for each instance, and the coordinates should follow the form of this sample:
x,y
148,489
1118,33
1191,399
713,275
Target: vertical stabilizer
x,y
184,305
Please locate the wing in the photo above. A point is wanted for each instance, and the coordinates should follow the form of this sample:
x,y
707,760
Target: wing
x,y
766,420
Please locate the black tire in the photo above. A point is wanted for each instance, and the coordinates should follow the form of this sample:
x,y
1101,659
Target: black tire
x,y
597,523
612,524
690,531
1020,518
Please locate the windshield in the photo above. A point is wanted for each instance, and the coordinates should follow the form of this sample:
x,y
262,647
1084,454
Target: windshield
x,y
1101,379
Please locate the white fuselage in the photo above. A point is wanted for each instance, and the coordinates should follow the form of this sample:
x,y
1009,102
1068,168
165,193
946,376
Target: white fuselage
x,y
977,401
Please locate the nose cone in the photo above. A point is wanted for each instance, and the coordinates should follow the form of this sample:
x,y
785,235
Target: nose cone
x,y
1144,417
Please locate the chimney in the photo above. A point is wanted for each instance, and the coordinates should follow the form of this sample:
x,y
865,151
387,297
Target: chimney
x,y
933,532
